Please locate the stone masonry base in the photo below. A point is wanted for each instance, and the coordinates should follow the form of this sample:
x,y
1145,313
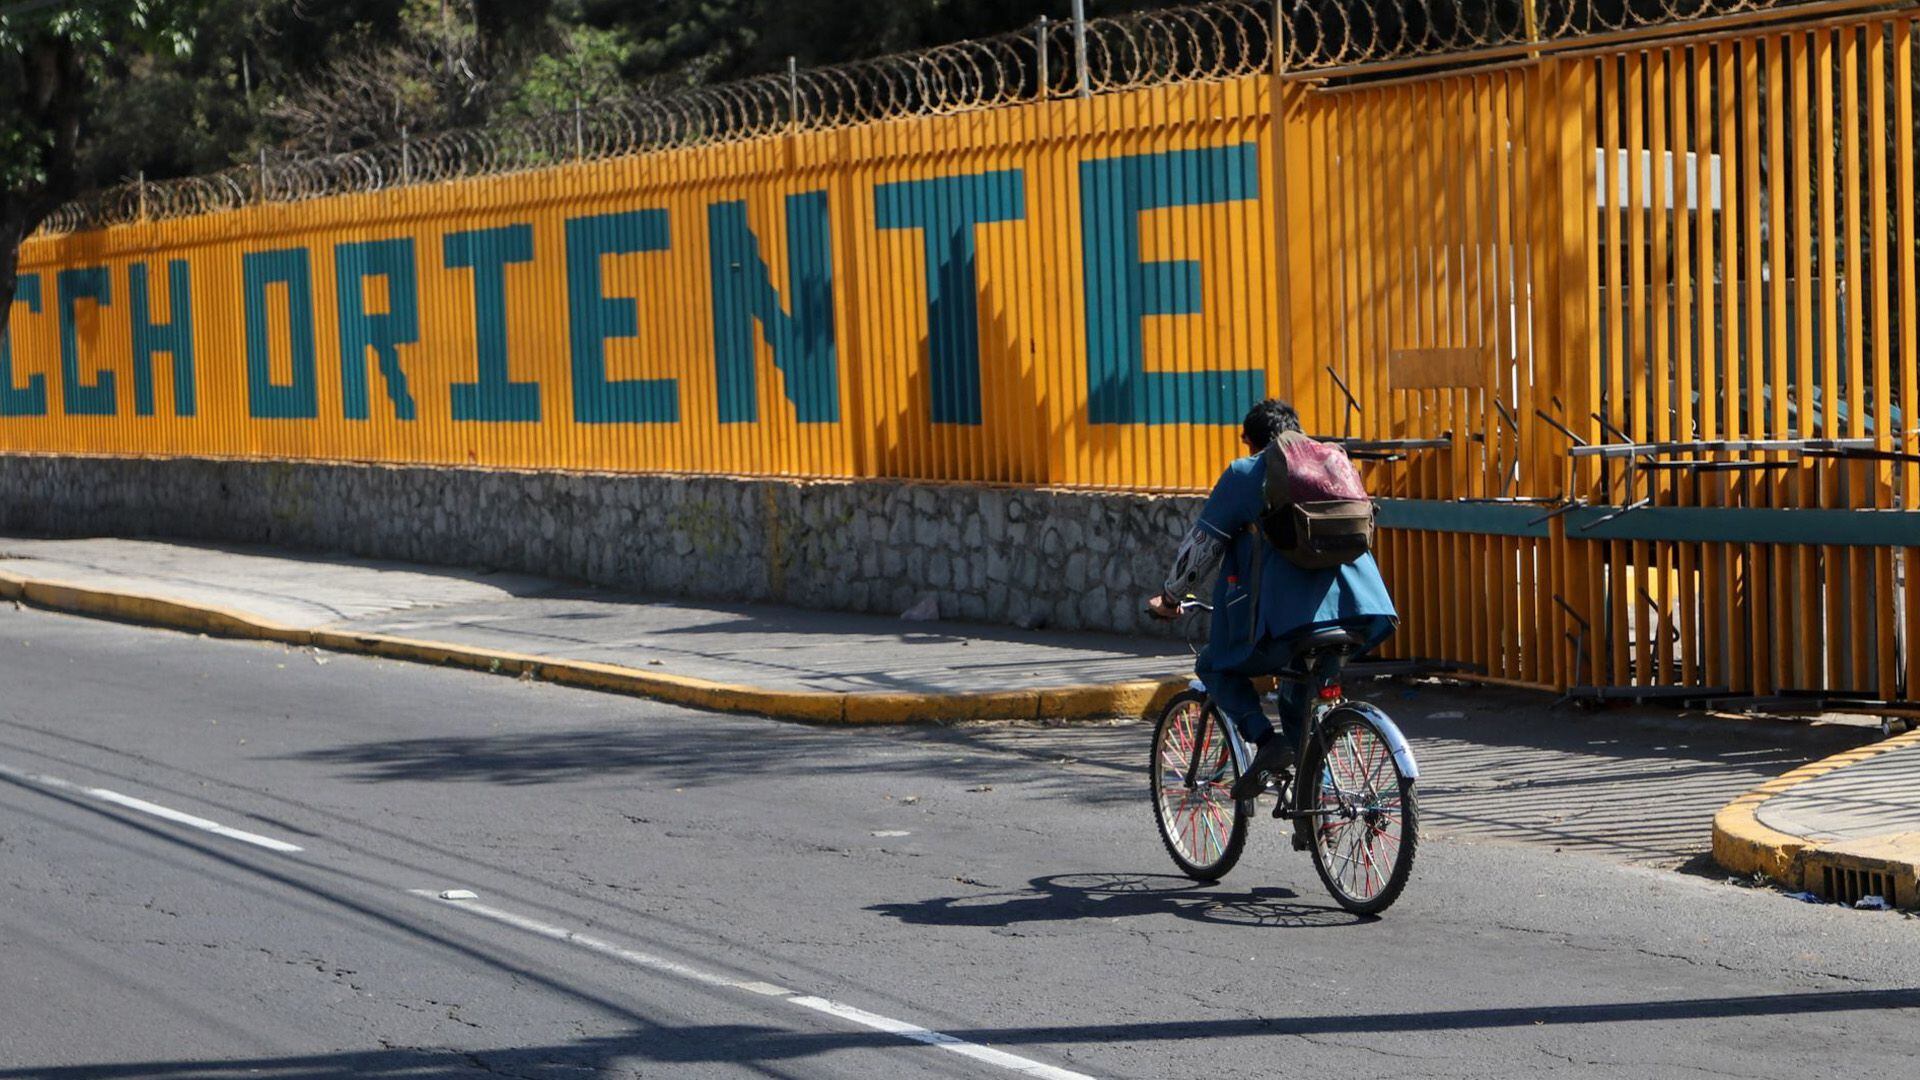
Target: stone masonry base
x,y
1065,559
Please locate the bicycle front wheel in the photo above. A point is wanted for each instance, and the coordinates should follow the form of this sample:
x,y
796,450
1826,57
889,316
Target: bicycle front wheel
x,y
1366,822
1193,770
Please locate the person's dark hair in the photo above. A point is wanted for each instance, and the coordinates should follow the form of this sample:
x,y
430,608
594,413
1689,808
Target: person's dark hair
x,y
1267,420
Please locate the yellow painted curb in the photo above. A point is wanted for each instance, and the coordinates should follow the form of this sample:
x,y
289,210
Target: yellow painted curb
x,y
1111,699
814,706
1744,845
890,708
140,608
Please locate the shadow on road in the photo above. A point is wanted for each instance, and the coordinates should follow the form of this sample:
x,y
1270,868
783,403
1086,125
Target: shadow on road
x,y
1500,768
1071,897
764,1044
678,755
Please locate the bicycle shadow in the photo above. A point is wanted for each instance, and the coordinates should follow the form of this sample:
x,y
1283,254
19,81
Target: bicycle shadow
x,y
1070,897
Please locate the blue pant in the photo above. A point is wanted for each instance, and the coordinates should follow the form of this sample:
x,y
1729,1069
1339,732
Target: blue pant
x,y
1231,687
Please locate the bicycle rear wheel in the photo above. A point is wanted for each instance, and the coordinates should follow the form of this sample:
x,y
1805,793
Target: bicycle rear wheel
x,y
1204,829
1367,822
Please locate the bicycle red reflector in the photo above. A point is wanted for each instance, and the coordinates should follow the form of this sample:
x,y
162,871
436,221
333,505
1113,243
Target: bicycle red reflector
x,y
1328,693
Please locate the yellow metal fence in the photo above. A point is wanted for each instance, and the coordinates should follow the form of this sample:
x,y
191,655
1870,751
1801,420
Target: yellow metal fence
x,y
1068,292
1652,312
1626,336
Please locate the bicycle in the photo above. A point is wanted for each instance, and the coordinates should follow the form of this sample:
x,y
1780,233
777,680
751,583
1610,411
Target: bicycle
x,y
1350,795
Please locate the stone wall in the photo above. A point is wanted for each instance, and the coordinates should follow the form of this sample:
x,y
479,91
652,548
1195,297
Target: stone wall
x,y
1067,559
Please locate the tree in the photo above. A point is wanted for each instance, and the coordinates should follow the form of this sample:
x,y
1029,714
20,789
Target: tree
x,y
58,59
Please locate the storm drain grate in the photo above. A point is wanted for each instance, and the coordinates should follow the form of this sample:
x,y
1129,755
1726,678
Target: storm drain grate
x,y
1848,886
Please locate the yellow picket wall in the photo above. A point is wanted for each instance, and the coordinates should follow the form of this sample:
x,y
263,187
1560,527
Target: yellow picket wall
x,y
1473,254
1030,288
1673,245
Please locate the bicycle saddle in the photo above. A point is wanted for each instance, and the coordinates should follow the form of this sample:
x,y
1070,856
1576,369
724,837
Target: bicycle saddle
x,y
1328,637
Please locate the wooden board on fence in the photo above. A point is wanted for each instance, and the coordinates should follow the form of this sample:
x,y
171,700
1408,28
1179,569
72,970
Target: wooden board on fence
x,y
1437,369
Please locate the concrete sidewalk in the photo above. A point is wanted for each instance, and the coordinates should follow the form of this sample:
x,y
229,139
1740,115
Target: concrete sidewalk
x,y
1842,829
786,661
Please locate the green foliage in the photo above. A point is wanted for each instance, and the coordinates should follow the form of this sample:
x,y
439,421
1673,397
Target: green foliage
x,y
54,60
590,67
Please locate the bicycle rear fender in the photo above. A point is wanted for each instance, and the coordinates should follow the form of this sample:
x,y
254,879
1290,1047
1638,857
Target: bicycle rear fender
x,y
1396,742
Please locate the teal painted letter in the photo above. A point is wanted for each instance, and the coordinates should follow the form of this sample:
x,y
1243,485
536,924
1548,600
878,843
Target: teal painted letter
x,y
384,333
300,398
31,399
593,318
493,396
173,337
1121,290
743,293
79,398
946,210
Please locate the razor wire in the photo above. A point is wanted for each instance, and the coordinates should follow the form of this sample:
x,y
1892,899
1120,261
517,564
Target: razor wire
x,y
1329,34
1220,40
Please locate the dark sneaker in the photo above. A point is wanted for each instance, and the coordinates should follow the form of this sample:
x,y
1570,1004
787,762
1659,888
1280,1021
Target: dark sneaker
x,y
1275,757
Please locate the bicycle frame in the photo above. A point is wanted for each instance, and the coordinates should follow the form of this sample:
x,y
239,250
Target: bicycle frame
x,y
1323,669
1318,709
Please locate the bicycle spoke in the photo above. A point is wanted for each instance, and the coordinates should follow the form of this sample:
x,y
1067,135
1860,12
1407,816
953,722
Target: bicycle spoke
x,y
1192,774
1214,837
1362,772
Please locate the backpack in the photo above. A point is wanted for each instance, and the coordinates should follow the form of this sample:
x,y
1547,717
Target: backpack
x,y
1317,511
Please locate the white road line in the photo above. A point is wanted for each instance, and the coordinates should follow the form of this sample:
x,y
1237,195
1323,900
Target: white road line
x,y
913,1032
145,807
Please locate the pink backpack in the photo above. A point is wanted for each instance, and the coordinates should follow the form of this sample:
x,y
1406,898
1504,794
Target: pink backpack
x,y
1317,511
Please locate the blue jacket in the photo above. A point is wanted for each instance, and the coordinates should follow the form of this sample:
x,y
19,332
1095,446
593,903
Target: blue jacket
x,y
1291,598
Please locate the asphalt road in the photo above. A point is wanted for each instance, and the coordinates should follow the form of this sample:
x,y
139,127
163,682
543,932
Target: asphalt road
x,y
666,893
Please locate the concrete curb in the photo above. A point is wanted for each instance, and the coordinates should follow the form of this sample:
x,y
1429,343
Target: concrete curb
x,y
1094,702
1744,845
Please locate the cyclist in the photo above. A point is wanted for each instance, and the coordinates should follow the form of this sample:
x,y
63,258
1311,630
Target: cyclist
x,y
1292,600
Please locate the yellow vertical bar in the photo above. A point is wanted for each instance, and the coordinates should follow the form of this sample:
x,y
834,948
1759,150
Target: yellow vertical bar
x,y
1379,297
1859,650
1309,377
1459,228
1578,271
1347,359
1629,402
1405,272
1690,209
1808,632
1292,228
1493,592
1758,601
1737,568
1713,611
1416,407
1458,602
1784,559
1624,302
1519,632
1881,610
1909,334
1832,558
1666,175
